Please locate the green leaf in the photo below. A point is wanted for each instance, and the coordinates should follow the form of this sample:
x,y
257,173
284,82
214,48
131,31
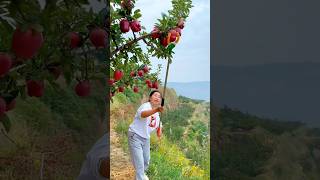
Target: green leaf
x,y
5,122
22,91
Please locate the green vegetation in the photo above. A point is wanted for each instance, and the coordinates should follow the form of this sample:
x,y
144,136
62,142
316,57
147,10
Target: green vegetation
x,y
60,126
249,147
183,152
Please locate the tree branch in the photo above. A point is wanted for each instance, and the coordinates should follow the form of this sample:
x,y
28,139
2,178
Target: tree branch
x,y
129,44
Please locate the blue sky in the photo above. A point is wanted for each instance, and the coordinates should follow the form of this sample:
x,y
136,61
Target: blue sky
x,y
191,61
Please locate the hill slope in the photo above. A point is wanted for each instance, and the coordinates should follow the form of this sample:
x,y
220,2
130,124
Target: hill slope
x,y
249,147
173,157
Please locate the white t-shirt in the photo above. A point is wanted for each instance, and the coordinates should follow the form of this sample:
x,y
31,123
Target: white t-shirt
x,y
144,126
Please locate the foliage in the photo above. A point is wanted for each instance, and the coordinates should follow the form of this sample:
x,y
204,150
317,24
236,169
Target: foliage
x,y
55,58
249,147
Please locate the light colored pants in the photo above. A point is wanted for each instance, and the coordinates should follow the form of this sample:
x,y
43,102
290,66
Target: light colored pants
x,y
139,148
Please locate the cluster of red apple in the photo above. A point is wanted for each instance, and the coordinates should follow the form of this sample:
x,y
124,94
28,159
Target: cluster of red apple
x,y
125,25
173,35
118,74
26,43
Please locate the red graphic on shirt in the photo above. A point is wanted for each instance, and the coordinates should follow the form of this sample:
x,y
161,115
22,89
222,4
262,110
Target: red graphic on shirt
x,y
152,122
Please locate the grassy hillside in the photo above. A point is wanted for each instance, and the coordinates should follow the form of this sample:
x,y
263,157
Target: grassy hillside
x,y
183,152
53,132
249,147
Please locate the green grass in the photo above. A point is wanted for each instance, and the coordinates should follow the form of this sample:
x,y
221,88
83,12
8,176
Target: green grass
x,y
37,122
122,130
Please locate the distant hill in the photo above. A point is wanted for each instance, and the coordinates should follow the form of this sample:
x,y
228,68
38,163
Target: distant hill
x,y
288,91
194,90
251,147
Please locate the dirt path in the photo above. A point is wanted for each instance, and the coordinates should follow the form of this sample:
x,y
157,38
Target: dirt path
x,y
121,166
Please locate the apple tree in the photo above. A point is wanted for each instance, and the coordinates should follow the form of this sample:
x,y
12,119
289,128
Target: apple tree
x,y
41,44
129,59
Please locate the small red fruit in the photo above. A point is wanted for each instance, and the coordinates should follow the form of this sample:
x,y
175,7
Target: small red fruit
x,y
5,64
25,44
2,106
150,85
124,25
164,42
35,88
148,81
11,105
140,73
135,26
98,37
155,33
173,35
111,82
132,74
178,30
74,40
145,69
155,85
117,75
83,88
181,23
135,89
121,89
126,4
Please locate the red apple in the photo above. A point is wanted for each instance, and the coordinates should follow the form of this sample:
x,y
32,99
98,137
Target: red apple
x,y
35,88
124,26
164,42
25,44
121,89
150,85
11,105
140,73
98,37
2,106
117,75
135,89
155,85
181,23
135,26
145,69
173,35
75,40
155,33
111,82
132,74
5,64
178,30
83,88
126,4
148,81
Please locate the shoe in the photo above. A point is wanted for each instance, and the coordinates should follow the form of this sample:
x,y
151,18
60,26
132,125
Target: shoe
x,y
146,177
